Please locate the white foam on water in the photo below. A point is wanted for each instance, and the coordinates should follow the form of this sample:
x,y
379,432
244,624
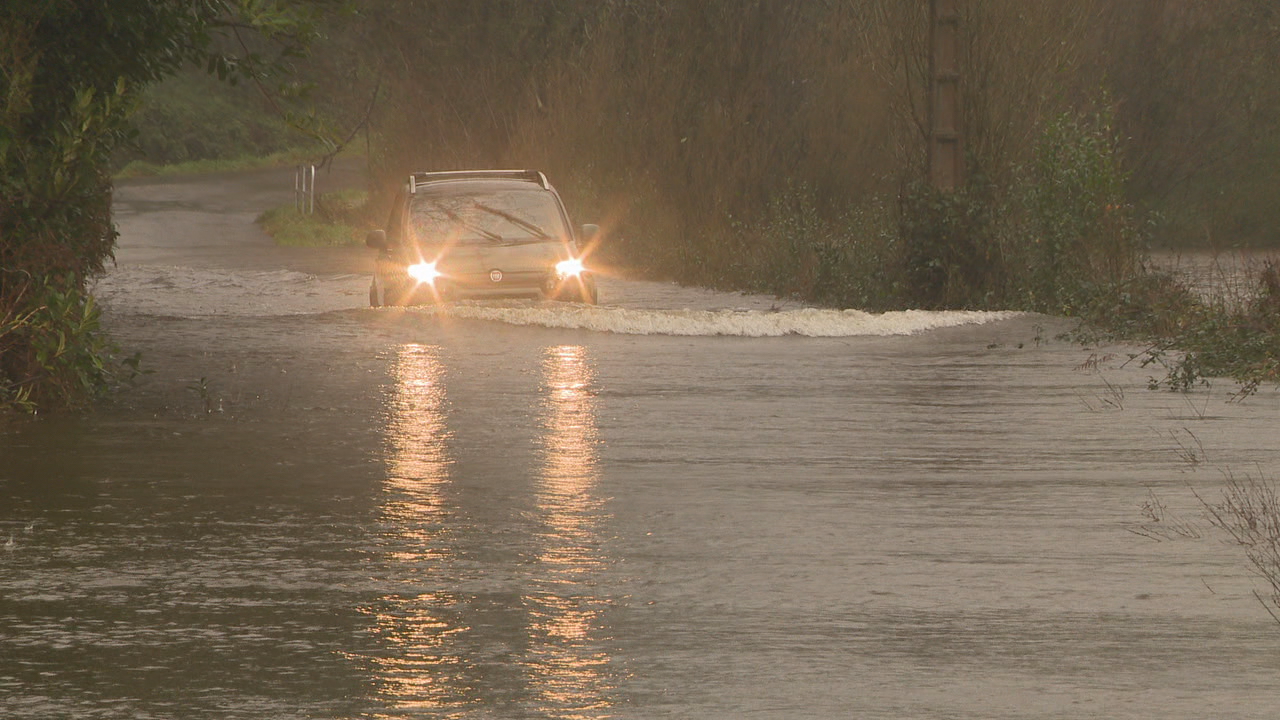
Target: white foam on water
x,y
628,307
808,322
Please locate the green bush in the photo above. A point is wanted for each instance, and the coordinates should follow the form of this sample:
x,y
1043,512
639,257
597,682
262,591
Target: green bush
x,y
1059,238
1225,339
951,254
56,353
56,224
1078,235
851,260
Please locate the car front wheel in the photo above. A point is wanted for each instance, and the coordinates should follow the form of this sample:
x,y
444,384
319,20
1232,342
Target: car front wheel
x,y
582,290
380,296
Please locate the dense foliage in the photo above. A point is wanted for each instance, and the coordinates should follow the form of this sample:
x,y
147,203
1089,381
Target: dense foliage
x,y
70,72
195,116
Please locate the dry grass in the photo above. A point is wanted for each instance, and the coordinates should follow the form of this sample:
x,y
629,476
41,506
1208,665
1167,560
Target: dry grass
x,y
1249,512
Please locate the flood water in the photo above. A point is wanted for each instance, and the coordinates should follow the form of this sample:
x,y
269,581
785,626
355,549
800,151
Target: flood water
x,y
679,504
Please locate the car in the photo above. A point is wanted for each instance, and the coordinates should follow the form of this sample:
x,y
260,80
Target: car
x,y
480,234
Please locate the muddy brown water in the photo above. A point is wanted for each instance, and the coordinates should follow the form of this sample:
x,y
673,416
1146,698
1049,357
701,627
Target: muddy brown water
x,y
679,504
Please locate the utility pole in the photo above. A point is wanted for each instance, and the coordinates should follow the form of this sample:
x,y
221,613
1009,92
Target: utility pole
x,y
946,143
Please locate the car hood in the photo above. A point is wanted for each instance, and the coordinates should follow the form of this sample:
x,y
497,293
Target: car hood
x,y
539,256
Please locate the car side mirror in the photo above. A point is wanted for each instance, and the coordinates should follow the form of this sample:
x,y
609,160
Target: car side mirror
x,y
589,232
376,239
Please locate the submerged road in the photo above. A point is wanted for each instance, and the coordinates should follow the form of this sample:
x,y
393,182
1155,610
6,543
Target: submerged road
x,y
678,504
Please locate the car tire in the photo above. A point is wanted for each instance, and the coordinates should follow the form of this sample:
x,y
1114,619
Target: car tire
x,y
380,296
583,291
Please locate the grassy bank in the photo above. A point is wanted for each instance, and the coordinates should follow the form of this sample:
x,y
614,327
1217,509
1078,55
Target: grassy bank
x,y
283,158
339,219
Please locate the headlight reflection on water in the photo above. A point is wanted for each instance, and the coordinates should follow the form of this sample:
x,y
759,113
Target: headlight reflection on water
x,y
533,635
421,666
572,668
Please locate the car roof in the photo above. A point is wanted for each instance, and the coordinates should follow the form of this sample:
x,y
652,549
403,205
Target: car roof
x,y
464,187
470,178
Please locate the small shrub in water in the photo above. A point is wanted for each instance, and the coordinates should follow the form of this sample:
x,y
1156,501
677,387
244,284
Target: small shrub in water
x,y
56,354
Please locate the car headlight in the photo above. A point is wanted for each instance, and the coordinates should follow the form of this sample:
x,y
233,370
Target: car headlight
x,y
572,267
425,272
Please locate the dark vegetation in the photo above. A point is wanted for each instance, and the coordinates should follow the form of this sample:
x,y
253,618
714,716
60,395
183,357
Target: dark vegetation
x,y
63,114
71,72
748,144
195,116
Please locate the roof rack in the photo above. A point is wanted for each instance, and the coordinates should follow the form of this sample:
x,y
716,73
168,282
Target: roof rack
x,y
423,178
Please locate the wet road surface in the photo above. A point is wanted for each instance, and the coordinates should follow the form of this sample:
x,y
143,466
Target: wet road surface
x,y
680,504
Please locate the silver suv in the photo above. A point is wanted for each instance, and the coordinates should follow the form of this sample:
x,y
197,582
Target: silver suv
x,y
479,234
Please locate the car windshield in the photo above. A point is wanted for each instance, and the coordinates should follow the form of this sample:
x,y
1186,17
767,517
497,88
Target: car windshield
x,y
506,216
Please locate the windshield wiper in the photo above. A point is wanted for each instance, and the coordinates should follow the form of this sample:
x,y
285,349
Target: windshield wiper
x,y
485,233
519,222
